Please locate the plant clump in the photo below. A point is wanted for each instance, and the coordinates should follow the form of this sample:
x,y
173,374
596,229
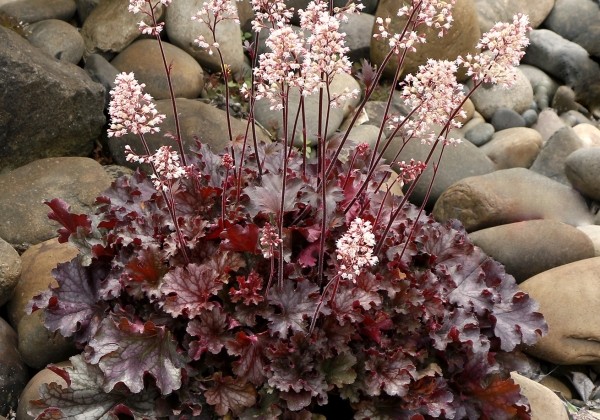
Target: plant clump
x,y
266,282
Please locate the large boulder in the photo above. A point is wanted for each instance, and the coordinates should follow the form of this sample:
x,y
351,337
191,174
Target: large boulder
x,y
508,196
567,296
460,39
492,11
47,107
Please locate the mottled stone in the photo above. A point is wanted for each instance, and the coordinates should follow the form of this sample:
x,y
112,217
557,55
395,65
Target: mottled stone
x,y
24,222
551,159
47,107
31,391
58,39
10,270
582,168
13,372
30,11
492,11
513,148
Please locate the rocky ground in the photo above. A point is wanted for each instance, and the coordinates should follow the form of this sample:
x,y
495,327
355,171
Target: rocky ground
x,y
525,182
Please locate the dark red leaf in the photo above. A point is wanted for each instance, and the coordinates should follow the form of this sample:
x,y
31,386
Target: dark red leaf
x,y
241,238
296,302
71,222
230,395
211,328
249,289
250,366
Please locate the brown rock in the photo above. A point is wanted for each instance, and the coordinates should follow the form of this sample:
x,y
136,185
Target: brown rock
x,y
460,39
533,246
508,196
31,391
567,296
10,270
545,404
37,264
144,59
513,148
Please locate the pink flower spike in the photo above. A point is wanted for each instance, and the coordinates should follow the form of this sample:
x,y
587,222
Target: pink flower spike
x,y
131,110
355,249
269,240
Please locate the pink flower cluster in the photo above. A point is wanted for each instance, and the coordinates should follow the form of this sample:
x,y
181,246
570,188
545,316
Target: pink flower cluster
x,y
137,6
355,249
272,11
165,163
131,110
434,95
211,13
269,240
502,49
432,13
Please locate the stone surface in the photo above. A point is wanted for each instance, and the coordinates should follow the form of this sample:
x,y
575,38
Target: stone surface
x,y
551,159
533,246
10,270
460,39
37,264
545,404
31,391
513,148
101,71
566,296
13,372
358,35
577,21
182,31
556,385
568,62
593,232
197,118
110,27
490,98
47,108
480,134
548,123
85,7
144,59
508,196
539,79
504,118
30,11
492,11
588,134
458,162
582,168
38,346
58,39
24,222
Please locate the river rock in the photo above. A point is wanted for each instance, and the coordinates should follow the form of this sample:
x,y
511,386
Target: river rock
x,y
197,118
577,21
492,11
58,39
551,159
508,196
30,11
37,263
566,295
564,100
588,134
533,246
24,222
110,27
460,39
513,148
101,71
31,391
545,404
10,270
548,123
13,372
182,31
593,232
144,59
85,7
458,162
582,168
358,35
490,98
539,79
504,118
47,107
480,134
568,62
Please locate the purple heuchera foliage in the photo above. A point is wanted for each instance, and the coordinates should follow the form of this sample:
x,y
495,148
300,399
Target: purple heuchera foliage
x,y
417,334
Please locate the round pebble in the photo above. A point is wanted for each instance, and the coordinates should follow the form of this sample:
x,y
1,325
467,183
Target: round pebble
x,y
480,134
505,118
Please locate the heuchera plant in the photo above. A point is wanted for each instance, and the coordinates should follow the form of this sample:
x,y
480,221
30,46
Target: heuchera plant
x,y
264,282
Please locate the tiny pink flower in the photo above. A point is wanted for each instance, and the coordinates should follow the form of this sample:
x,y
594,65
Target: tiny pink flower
x,y
131,110
355,249
211,13
269,240
408,172
227,161
165,163
502,49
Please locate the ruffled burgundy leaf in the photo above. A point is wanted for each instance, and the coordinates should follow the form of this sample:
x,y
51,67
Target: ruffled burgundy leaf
x,y
267,197
187,291
339,370
296,302
250,348
85,398
249,289
391,373
75,307
126,352
211,328
229,395
241,238
71,222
